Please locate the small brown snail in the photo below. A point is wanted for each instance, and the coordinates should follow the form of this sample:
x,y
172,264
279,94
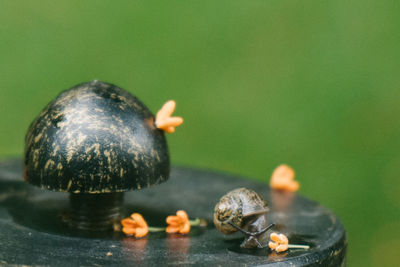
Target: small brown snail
x,y
243,210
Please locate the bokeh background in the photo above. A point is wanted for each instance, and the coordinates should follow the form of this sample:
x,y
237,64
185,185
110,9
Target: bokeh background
x,y
314,84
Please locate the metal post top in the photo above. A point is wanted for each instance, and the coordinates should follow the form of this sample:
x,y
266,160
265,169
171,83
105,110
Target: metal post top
x,y
32,233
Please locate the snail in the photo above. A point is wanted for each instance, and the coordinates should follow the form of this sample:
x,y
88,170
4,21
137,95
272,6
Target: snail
x,y
243,210
96,141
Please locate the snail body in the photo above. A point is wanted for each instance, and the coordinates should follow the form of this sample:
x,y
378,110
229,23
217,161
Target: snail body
x,y
243,210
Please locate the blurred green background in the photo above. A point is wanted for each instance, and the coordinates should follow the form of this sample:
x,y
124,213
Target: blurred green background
x,y
314,84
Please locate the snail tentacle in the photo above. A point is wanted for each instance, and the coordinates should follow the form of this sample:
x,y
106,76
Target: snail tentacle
x,y
252,233
240,229
264,230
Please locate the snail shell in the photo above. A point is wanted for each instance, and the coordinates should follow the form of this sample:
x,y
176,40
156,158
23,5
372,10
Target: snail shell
x,y
235,206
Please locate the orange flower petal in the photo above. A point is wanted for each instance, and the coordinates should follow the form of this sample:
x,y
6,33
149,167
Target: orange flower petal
x,y
179,223
135,225
175,121
168,125
282,248
293,186
172,229
128,222
141,232
139,220
283,179
272,245
283,239
182,214
185,229
171,121
274,237
173,220
166,110
279,242
170,129
164,121
129,230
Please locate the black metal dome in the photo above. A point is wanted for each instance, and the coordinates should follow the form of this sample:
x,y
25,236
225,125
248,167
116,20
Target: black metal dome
x,y
95,138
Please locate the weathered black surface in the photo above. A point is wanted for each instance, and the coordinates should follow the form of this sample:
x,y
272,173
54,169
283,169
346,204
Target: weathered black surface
x,y
31,231
94,212
95,138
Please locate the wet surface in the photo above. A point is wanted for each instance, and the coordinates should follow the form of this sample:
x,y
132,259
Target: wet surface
x,y
32,231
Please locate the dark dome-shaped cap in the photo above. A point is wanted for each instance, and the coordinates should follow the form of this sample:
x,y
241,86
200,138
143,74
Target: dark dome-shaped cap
x,y
95,138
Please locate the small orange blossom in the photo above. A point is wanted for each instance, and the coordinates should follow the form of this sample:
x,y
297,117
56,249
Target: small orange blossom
x,y
164,121
179,223
279,242
135,225
283,179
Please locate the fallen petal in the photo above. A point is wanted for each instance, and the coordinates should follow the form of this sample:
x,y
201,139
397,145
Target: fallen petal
x,y
141,232
282,248
128,222
129,231
171,121
185,229
274,237
166,110
182,214
172,229
169,129
283,239
293,186
283,179
272,245
139,219
173,220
